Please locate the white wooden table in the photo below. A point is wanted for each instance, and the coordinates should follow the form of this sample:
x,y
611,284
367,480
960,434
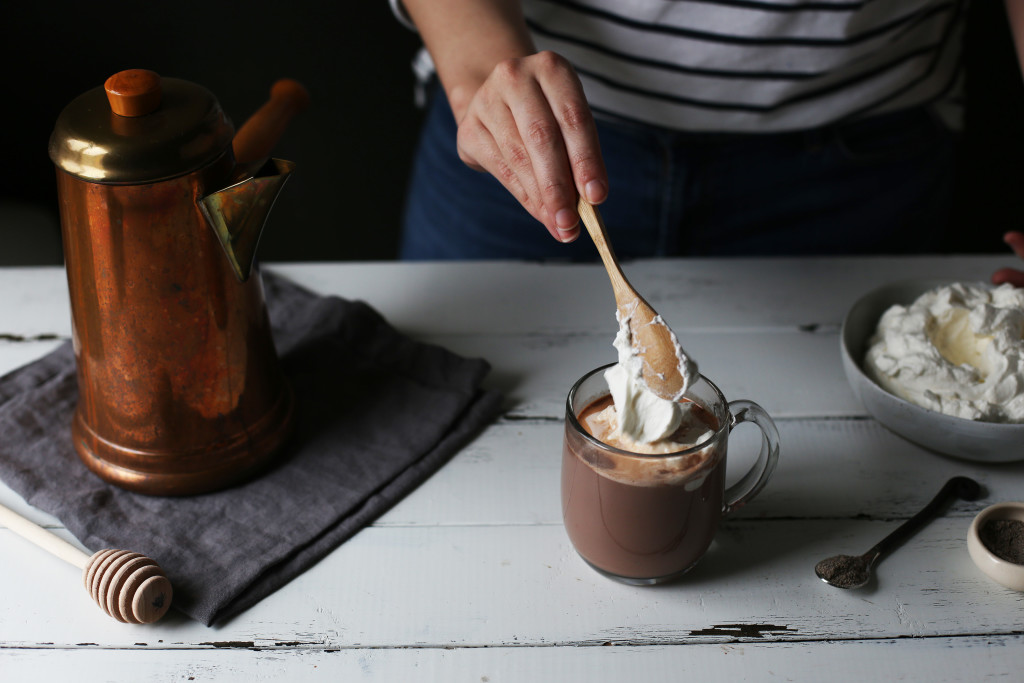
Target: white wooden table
x,y
471,578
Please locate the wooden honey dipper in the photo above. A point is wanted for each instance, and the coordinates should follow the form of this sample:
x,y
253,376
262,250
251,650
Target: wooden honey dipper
x,y
128,586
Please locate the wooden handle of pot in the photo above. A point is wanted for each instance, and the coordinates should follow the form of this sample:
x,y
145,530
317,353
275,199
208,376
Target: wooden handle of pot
x,y
260,133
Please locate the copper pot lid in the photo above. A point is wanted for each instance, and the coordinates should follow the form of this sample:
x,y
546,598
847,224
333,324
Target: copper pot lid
x,y
139,128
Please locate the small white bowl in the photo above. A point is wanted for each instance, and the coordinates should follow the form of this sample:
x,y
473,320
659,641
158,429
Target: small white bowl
x,y
1001,571
955,436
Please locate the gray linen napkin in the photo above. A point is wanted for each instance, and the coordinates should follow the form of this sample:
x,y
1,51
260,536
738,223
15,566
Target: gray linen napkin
x,y
377,413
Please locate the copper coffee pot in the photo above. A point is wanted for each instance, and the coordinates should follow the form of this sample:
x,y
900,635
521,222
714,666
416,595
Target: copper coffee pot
x,y
162,206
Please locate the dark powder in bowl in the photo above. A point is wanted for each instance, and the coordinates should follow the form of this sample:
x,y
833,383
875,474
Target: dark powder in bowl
x,y
1005,538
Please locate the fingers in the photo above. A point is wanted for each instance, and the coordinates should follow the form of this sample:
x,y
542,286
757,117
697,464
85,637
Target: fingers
x,y
489,140
479,149
579,135
1013,276
1010,275
560,135
529,125
545,161
1016,241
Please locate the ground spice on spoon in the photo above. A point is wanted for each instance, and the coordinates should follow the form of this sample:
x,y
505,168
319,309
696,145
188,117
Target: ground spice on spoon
x,y
1005,538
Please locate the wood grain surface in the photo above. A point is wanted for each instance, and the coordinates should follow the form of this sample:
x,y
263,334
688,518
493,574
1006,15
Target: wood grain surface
x,y
471,577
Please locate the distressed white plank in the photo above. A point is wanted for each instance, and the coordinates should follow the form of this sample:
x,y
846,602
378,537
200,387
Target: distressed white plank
x,y
507,297
500,297
34,301
14,354
790,373
553,361
536,371
828,469
477,556
474,586
936,660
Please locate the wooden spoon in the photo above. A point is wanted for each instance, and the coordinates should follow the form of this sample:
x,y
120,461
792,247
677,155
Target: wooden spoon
x,y
652,339
127,586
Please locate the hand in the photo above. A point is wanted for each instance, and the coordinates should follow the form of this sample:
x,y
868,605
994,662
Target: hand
x,y
1012,275
529,125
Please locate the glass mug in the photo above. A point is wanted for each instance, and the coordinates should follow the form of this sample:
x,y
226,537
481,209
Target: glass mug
x,y
647,519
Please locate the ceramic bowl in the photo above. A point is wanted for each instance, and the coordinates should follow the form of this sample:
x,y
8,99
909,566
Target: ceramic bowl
x,y
1001,571
954,436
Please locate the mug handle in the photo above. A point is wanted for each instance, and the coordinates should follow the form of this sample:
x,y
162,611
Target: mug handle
x,y
743,491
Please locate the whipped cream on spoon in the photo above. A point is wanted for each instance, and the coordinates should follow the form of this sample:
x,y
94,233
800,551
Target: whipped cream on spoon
x,y
650,357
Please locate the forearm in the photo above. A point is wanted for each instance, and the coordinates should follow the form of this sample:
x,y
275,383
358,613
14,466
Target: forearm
x,y
467,39
1015,14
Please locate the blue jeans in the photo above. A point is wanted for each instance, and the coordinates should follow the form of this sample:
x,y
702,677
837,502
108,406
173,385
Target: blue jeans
x,y
881,185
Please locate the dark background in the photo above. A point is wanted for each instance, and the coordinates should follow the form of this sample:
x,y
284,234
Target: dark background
x,y
353,146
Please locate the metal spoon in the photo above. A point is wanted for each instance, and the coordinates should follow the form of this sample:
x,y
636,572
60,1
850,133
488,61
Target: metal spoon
x,y
853,571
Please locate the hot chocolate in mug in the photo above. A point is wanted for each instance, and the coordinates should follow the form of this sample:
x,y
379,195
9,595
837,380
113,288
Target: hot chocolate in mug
x,y
647,519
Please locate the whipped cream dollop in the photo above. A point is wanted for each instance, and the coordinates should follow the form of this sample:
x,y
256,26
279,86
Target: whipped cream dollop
x,y
958,350
639,420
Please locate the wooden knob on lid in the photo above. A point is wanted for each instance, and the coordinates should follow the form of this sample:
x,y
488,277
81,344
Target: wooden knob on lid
x,y
134,92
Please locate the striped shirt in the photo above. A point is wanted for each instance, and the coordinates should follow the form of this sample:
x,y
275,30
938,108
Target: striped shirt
x,y
757,65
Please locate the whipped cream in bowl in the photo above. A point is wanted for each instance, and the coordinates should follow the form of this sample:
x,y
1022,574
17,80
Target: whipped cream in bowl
x,y
957,349
942,364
